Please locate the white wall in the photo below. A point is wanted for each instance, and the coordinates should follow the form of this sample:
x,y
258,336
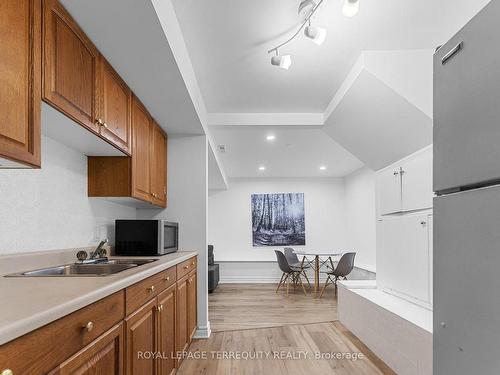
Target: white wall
x,y
230,221
360,202
48,208
187,205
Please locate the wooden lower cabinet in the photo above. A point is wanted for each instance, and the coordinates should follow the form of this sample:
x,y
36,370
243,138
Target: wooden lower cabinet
x,y
181,330
141,328
109,338
166,331
192,317
186,311
104,356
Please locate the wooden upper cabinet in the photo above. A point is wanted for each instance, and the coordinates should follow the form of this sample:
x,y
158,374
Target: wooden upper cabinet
x,y
70,66
20,81
104,356
158,166
141,151
114,107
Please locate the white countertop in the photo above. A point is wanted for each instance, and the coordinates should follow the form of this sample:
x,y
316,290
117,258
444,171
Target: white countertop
x,y
31,302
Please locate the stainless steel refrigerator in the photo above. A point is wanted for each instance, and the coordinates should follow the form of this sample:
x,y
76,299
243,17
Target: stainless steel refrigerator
x,y
467,206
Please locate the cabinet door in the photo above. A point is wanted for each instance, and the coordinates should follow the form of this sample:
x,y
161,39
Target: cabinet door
x,y
159,167
141,153
166,331
114,107
20,80
141,340
417,181
404,259
192,305
182,315
466,108
389,190
466,282
104,356
70,66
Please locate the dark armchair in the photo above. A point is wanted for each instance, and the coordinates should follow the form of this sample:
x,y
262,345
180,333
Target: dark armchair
x,y
213,270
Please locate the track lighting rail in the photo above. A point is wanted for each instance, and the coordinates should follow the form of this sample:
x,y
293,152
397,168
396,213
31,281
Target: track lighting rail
x,y
306,21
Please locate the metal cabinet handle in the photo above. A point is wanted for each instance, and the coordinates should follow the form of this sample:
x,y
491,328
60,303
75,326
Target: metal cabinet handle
x,y
186,267
452,53
7,371
395,173
159,308
423,222
105,125
87,327
167,278
151,289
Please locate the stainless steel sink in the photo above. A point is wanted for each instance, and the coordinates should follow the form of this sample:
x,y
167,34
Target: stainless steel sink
x,y
98,268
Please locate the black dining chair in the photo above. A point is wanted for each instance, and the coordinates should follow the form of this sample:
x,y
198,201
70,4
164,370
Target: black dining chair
x,y
343,269
294,262
290,275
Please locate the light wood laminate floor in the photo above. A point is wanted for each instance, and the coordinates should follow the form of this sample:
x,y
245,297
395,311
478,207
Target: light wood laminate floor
x,y
256,331
287,350
245,306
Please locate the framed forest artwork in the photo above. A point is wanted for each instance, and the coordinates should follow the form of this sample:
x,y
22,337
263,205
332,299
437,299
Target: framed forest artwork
x,y
278,219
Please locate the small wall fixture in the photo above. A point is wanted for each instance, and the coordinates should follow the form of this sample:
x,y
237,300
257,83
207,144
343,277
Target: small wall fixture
x,y
351,8
262,168
322,168
271,137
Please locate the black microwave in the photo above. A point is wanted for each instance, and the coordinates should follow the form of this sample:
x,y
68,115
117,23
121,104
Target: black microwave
x,y
146,237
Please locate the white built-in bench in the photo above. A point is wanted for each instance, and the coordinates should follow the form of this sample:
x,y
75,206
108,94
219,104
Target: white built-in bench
x,y
397,331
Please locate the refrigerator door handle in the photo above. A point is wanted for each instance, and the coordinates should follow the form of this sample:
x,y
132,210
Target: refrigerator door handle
x,y
452,53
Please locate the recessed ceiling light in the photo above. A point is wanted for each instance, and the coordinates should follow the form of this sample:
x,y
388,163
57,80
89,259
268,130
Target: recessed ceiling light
x,y
271,137
322,168
262,168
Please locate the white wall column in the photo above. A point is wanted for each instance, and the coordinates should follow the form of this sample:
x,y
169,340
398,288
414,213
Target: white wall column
x,y
187,205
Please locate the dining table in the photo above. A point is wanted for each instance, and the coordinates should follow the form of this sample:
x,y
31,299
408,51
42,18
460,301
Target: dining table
x,y
317,263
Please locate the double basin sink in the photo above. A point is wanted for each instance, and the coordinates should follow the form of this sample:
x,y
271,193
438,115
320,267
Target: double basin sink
x,y
99,267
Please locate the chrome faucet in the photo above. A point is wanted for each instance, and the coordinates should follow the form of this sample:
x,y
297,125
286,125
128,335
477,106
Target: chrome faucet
x,y
99,252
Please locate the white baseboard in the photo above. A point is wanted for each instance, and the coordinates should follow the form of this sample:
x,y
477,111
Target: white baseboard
x,y
203,332
249,280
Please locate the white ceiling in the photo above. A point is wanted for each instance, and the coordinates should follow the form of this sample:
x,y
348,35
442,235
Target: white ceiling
x,y
296,152
228,41
199,63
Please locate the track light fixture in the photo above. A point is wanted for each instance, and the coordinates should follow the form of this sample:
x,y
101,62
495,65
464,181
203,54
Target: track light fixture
x,y
306,10
351,8
283,61
316,34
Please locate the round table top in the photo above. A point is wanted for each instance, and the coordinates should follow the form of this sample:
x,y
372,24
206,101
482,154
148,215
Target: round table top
x,y
318,253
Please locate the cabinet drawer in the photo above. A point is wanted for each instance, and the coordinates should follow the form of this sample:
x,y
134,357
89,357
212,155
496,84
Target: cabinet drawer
x,y
185,267
141,292
45,348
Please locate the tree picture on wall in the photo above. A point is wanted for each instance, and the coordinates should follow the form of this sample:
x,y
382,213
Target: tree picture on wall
x,y
278,219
